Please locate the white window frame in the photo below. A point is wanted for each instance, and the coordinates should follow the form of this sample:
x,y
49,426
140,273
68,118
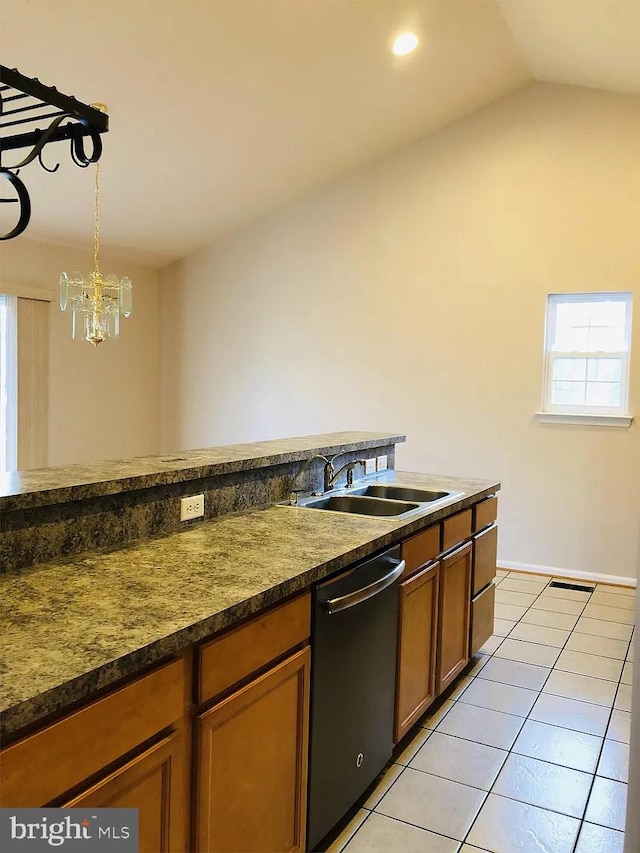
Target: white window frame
x,y
8,369
597,415
28,375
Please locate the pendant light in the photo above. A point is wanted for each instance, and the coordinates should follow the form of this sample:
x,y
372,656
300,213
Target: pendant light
x,y
97,301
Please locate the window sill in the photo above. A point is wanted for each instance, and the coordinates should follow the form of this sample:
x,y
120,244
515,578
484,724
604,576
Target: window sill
x,y
586,420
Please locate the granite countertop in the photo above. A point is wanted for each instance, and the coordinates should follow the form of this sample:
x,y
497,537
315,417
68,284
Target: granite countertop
x,y
43,486
72,627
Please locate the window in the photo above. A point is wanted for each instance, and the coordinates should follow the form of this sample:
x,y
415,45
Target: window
x,y
587,349
24,375
7,384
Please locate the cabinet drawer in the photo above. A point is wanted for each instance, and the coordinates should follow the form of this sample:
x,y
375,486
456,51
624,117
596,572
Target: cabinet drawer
x,y
485,547
234,656
43,766
456,529
482,613
485,513
420,549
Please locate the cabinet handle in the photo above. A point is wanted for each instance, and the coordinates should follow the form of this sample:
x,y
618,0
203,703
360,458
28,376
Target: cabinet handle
x,y
458,550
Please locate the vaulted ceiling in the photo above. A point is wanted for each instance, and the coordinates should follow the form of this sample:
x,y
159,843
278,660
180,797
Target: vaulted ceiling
x,y
221,110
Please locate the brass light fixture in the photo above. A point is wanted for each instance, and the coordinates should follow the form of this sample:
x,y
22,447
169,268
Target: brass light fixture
x,y
97,301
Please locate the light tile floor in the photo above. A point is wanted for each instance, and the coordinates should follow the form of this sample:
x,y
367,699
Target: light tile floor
x,y
530,750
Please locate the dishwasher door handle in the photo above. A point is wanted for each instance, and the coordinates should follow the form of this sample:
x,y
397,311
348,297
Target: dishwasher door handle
x,y
335,605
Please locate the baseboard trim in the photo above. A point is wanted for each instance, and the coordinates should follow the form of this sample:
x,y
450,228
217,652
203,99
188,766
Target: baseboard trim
x,y
596,577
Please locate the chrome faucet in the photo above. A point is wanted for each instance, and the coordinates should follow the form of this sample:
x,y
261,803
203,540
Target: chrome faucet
x,y
293,493
330,476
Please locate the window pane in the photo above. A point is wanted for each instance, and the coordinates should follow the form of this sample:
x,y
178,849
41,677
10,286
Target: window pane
x,y
568,393
604,369
571,339
572,314
570,368
607,313
605,339
603,394
592,326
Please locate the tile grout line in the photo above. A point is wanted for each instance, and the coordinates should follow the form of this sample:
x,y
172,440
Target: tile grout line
x,y
597,764
611,710
525,719
606,728
593,775
510,751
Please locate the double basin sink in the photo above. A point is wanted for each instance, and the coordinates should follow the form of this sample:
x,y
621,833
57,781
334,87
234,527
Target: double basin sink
x,y
385,501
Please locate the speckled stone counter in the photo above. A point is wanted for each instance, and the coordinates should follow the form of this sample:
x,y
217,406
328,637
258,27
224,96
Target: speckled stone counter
x,y
71,627
22,489
57,512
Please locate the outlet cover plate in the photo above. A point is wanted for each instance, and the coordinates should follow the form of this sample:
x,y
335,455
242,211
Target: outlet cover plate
x,y
382,463
192,507
369,466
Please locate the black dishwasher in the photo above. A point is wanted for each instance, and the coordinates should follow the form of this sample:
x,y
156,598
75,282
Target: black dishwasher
x,y
353,672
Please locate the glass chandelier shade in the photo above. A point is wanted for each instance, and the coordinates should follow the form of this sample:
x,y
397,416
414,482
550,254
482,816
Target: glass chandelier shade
x,y
97,301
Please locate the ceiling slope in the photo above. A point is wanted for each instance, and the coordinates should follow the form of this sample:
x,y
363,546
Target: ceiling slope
x,y
224,109
593,43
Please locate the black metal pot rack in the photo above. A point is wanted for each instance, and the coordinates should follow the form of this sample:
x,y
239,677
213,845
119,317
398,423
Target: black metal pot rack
x,y
25,103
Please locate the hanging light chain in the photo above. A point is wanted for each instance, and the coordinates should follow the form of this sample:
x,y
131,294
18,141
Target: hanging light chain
x,y
96,235
97,304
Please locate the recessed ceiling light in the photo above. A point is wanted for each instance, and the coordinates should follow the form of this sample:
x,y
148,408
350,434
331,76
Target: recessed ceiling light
x,y
405,43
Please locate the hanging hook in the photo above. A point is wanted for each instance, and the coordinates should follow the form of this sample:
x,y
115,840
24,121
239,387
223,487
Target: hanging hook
x,y
83,164
44,166
78,153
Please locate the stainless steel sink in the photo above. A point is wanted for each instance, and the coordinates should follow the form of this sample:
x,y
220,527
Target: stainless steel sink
x,y
402,493
361,505
380,499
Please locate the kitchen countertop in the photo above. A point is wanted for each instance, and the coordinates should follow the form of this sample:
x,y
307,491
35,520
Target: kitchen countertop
x,y
72,627
43,486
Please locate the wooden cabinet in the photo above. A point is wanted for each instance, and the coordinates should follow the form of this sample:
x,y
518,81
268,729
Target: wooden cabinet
x,y
44,766
453,615
482,615
456,529
485,513
252,764
421,549
417,628
485,548
238,654
245,693
153,783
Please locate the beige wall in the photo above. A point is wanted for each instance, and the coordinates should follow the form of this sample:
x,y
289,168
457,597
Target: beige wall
x,y
411,297
104,402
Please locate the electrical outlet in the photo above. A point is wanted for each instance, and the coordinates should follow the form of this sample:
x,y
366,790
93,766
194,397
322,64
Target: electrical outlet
x,y
192,507
369,466
382,463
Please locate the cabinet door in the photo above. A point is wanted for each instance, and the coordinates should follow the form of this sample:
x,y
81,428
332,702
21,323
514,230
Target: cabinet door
x,y
485,547
153,783
482,618
453,615
416,673
252,764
